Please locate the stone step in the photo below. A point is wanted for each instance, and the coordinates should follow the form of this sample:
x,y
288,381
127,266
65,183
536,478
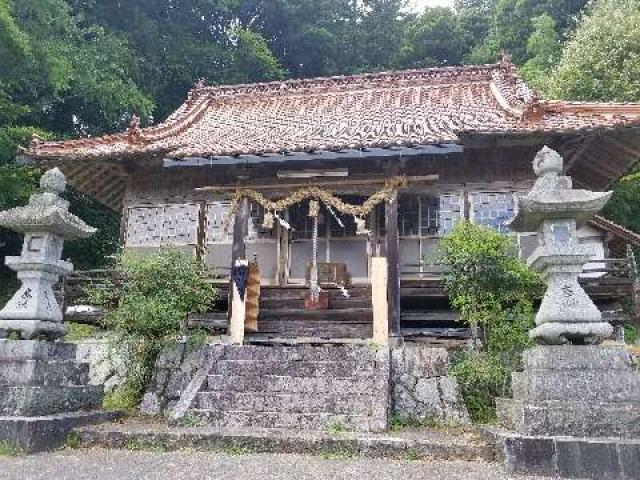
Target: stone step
x,y
578,357
328,369
296,387
32,349
346,315
334,303
577,385
300,292
322,329
337,353
581,419
26,400
321,421
43,372
424,445
287,402
286,384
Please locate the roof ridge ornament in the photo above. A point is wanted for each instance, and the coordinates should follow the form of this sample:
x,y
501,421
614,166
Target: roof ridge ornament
x,y
534,109
36,141
505,59
134,132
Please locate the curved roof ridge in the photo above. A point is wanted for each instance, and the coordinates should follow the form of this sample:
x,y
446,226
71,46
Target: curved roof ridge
x,y
353,81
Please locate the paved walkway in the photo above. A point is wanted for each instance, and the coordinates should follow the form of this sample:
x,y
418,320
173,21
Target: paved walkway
x,y
98,464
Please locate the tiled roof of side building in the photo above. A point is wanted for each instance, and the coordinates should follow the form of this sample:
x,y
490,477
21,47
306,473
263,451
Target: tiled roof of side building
x,y
406,108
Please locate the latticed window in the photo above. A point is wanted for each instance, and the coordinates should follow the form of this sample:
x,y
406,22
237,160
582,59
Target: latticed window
x,y
492,209
164,225
428,215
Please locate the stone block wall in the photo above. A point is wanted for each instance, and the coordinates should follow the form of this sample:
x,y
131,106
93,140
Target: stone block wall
x,y
420,387
106,367
174,368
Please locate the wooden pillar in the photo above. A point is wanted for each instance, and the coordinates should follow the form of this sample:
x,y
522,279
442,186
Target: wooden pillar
x,y
238,313
240,227
379,289
393,265
237,309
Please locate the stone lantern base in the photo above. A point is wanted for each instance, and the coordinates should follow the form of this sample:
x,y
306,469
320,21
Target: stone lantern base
x,y
44,393
574,407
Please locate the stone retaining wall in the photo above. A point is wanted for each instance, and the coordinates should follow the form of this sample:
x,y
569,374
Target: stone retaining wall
x,y
421,389
106,367
174,368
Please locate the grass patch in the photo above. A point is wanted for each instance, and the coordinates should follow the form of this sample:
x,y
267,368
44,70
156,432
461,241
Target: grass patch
x,y
336,427
79,331
338,454
399,422
9,450
192,421
410,456
73,441
125,398
234,451
137,445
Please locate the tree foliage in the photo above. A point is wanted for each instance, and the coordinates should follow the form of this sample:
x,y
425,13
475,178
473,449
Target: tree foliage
x,y
601,61
145,302
492,287
485,278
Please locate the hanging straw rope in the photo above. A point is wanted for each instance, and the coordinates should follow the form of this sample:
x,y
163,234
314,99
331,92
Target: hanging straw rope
x,y
314,192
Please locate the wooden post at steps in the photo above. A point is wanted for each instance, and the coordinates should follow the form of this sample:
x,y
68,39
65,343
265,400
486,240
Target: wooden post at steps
x,y
379,288
240,228
237,309
393,265
238,314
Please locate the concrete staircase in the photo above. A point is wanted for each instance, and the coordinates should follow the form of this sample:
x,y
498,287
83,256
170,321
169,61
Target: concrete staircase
x,y
300,387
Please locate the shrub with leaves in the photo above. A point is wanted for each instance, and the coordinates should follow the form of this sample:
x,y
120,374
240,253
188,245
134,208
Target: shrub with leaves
x,y
493,288
485,276
146,302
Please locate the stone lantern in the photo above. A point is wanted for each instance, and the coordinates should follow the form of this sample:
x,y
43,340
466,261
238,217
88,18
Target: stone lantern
x,y
556,211
46,223
44,391
575,410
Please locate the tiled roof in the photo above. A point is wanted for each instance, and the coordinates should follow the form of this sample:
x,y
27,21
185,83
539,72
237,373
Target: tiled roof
x,y
625,234
407,108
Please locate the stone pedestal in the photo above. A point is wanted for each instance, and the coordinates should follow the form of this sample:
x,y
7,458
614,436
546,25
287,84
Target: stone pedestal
x,y
572,400
44,393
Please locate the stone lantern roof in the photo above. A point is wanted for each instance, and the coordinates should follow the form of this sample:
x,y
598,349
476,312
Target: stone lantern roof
x,y
47,212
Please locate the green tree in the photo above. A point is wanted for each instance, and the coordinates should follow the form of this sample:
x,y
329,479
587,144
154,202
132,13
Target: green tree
x,y
512,24
491,287
624,206
543,49
433,38
251,59
601,61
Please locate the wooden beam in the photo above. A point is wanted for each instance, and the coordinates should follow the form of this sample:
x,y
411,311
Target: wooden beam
x,y
393,265
328,183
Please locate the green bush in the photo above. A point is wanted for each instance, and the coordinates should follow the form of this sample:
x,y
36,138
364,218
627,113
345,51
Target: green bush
x,y
146,302
494,289
482,376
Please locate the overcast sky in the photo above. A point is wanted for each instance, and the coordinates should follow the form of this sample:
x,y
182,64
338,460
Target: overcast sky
x,y
418,5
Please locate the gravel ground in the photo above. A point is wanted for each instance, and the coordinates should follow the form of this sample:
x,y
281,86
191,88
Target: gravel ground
x,y
185,465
